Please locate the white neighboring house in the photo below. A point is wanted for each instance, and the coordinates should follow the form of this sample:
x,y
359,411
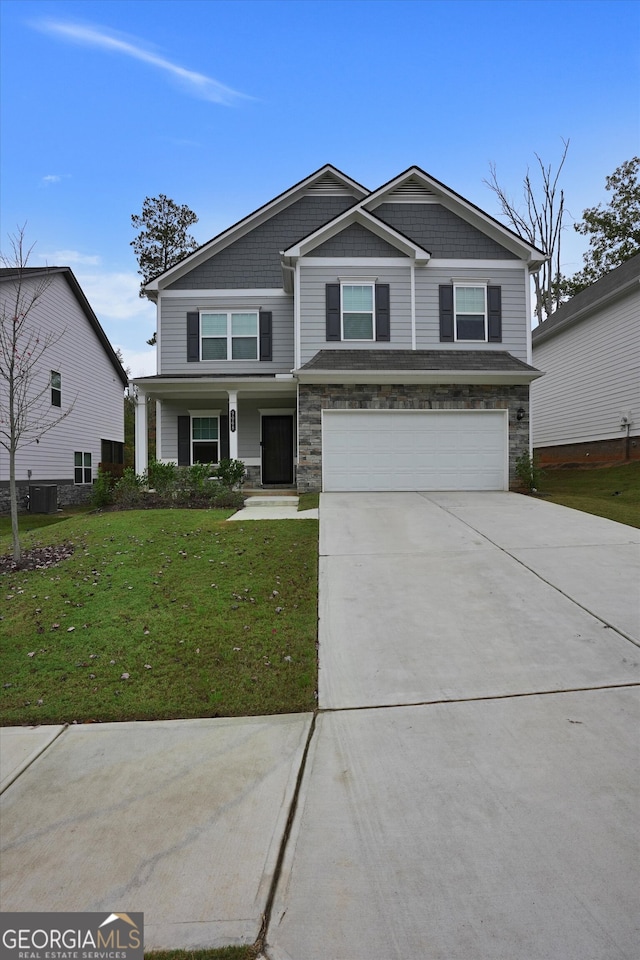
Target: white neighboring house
x,y
586,407
83,373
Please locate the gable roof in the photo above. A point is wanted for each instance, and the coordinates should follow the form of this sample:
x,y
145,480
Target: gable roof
x,y
614,284
326,181
415,185
13,273
358,215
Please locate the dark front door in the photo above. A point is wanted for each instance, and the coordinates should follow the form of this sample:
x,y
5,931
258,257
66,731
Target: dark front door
x,y
277,449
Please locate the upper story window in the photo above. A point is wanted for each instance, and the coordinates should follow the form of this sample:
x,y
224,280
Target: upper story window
x,y
56,389
358,311
470,312
229,335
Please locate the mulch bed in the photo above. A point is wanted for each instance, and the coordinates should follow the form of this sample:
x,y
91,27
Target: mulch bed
x,y
39,558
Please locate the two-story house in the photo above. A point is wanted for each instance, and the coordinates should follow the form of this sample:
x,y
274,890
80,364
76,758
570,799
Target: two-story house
x,y
76,383
345,339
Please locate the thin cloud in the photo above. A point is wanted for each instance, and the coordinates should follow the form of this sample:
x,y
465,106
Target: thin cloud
x,y
196,83
50,178
67,258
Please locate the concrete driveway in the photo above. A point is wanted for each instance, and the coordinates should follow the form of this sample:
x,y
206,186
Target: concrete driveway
x,y
472,787
468,790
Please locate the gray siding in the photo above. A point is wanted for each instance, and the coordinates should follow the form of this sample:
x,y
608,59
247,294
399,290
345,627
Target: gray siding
x,y
248,422
253,261
313,280
356,241
514,307
90,386
173,336
591,377
441,232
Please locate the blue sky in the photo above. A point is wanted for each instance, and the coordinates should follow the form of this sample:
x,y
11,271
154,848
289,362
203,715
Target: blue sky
x,y
223,105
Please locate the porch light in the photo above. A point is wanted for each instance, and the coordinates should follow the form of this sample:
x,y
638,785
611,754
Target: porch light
x,y
520,413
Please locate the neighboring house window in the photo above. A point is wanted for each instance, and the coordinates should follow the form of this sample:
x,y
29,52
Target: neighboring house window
x,y
112,451
470,312
358,314
229,336
357,311
205,435
82,467
56,389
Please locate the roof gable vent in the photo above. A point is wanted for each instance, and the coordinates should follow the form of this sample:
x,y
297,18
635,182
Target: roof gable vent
x,y
411,191
328,185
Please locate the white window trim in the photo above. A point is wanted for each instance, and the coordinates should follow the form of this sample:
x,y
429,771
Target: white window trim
x,y
83,482
457,285
230,337
210,415
358,282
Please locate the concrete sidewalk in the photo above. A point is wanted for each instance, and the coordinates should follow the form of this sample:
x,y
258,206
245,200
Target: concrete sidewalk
x,y
470,790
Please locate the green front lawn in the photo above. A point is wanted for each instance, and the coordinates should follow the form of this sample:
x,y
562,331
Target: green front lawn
x,y
612,492
161,614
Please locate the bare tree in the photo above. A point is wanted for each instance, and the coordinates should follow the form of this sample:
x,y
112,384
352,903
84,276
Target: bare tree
x,y
25,386
539,222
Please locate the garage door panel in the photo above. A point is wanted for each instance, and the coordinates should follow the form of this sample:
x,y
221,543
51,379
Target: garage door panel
x,y
414,450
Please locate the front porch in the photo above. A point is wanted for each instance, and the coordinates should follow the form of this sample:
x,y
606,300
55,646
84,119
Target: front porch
x,y
207,419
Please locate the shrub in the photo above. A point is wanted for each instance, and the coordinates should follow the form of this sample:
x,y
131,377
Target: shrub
x,y
162,476
231,473
102,490
528,472
128,491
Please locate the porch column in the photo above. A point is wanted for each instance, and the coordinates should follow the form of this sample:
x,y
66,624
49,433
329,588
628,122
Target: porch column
x,y
233,424
141,435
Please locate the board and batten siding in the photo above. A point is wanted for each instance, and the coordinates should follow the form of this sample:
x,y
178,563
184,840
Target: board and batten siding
x,y
90,385
591,378
173,334
513,283
313,281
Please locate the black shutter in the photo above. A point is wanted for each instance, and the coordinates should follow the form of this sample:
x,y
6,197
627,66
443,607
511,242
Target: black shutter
x,y
383,323
193,337
184,441
333,311
446,313
266,346
224,436
494,305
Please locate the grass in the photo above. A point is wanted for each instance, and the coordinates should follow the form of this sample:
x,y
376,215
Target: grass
x,y
161,614
612,492
33,521
308,501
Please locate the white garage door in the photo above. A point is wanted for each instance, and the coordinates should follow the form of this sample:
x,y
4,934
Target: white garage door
x,y
414,450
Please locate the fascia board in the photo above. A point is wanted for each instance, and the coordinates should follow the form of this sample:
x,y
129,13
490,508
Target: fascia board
x,y
457,204
416,376
171,388
371,222
248,223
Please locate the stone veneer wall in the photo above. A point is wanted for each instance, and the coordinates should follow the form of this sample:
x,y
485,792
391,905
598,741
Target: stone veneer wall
x,y
69,493
313,398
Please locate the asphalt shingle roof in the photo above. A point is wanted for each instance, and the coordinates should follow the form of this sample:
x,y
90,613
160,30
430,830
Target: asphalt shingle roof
x,y
471,360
